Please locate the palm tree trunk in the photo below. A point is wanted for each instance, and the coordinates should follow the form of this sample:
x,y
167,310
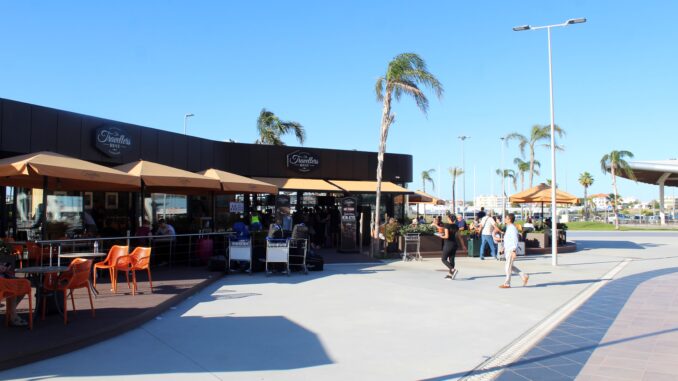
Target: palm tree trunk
x,y
586,204
386,120
614,186
531,167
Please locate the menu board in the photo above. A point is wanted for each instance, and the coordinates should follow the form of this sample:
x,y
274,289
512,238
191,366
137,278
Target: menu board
x,y
349,224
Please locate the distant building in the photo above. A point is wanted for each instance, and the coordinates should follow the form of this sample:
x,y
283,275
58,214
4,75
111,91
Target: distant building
x,y
489,202
599,200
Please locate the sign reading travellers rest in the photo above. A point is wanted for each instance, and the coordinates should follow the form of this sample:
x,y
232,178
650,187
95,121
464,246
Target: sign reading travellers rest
x,y
302,161
113,141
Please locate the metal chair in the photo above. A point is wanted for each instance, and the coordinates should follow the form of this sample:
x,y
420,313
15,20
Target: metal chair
x,y
412,240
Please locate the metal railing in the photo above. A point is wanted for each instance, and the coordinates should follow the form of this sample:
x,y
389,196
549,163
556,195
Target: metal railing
x,y
180,248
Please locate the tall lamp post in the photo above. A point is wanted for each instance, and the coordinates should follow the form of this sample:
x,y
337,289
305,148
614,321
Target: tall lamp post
x,y
185,119
463,174
554,211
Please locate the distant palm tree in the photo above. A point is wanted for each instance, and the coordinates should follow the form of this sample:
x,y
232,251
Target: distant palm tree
x,y
614,162
426,176
586,180
455,172
404,75
271,128
524,166
537,134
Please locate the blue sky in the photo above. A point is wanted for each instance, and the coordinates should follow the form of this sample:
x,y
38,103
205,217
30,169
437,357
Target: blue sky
x,y
316,62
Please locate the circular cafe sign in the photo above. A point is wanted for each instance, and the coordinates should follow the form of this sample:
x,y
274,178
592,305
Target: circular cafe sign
x,y
302,161
112,141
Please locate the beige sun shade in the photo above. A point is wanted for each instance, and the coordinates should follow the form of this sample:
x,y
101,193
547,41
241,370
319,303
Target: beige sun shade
x,y
163,178
63,173
420,197
542,193
316,185
230,182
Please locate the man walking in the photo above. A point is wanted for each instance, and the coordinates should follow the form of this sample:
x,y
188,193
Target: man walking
x,y
510,249
487,229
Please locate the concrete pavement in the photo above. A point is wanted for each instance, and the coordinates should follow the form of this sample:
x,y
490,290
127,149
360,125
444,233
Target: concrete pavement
x,y
391,321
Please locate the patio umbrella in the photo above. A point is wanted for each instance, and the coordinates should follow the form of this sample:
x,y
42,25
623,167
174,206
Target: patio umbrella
x,y
59,172
419,197
165,179
230,182
542,194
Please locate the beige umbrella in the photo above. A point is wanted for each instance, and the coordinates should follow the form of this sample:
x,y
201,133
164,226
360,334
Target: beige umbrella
x,y
542,193
59,172
230,182
165,179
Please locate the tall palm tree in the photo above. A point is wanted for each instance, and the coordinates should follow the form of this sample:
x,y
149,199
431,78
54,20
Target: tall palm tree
x,y
270,129
404,76
426,176
524,166
455,172
586,180
615,162
537,134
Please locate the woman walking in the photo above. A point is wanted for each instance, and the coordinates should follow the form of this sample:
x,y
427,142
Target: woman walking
x,y
449,245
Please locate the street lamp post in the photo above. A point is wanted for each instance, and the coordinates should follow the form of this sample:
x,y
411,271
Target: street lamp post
x,y
554,211
503,182
463,173
185,119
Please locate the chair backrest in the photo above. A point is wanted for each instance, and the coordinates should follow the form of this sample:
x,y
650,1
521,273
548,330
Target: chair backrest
x,y
78,273
35,252
116,252
141,257
14,287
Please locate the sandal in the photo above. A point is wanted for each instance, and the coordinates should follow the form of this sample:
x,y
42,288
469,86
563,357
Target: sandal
x,y
505,286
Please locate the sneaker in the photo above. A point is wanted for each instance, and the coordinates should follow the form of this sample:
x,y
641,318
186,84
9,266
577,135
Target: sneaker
x,y
454,274
525,279
482,258
448,277
18,322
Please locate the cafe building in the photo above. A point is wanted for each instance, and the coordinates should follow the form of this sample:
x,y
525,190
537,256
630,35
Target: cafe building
x,y
297,177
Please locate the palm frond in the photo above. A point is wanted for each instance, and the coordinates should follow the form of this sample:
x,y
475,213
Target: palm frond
x,y
379,88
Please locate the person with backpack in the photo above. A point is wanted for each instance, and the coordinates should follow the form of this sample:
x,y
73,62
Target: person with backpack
x,y
487,229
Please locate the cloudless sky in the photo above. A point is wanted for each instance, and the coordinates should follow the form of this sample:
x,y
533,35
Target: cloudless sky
x,y
316,62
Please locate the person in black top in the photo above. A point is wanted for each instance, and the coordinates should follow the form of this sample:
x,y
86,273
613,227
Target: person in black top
x,y
449,245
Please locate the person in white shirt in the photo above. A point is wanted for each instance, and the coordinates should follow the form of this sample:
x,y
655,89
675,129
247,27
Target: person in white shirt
x,y
510,248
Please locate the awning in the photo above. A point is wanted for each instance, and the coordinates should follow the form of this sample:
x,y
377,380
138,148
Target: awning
x,y
230,182
166,179
369,186
653,172
63,173
420,197
298,184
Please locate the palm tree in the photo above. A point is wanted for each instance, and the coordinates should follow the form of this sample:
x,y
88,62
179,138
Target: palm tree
x,y
270,128
524,166
455,172
426,176
404,76
586,180
537,134
614,162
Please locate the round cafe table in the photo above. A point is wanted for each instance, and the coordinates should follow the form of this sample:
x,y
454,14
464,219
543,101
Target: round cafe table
x,y
35,274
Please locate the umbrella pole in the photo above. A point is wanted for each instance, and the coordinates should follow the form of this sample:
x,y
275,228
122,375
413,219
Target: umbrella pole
x,y
43,216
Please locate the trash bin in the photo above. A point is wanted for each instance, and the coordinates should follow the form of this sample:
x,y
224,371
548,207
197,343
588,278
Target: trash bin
x,y
473,246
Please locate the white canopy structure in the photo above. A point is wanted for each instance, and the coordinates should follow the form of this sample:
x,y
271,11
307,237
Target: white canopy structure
x,y
659,172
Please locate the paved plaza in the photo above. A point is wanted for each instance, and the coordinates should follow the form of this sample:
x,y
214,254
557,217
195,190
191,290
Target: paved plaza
x,y
403,321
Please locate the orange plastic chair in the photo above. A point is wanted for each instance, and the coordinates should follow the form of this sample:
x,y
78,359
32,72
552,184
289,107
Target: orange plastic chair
x,y
36,254
114,253
12,288
139,259
77,276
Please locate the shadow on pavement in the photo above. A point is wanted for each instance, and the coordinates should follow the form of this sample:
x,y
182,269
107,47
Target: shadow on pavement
x,y
563,352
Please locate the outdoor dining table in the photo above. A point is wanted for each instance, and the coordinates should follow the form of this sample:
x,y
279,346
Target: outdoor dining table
x,y
88,254
35,274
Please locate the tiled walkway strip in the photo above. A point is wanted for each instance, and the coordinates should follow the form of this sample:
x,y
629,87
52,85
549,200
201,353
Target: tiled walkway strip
x,y
492,367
